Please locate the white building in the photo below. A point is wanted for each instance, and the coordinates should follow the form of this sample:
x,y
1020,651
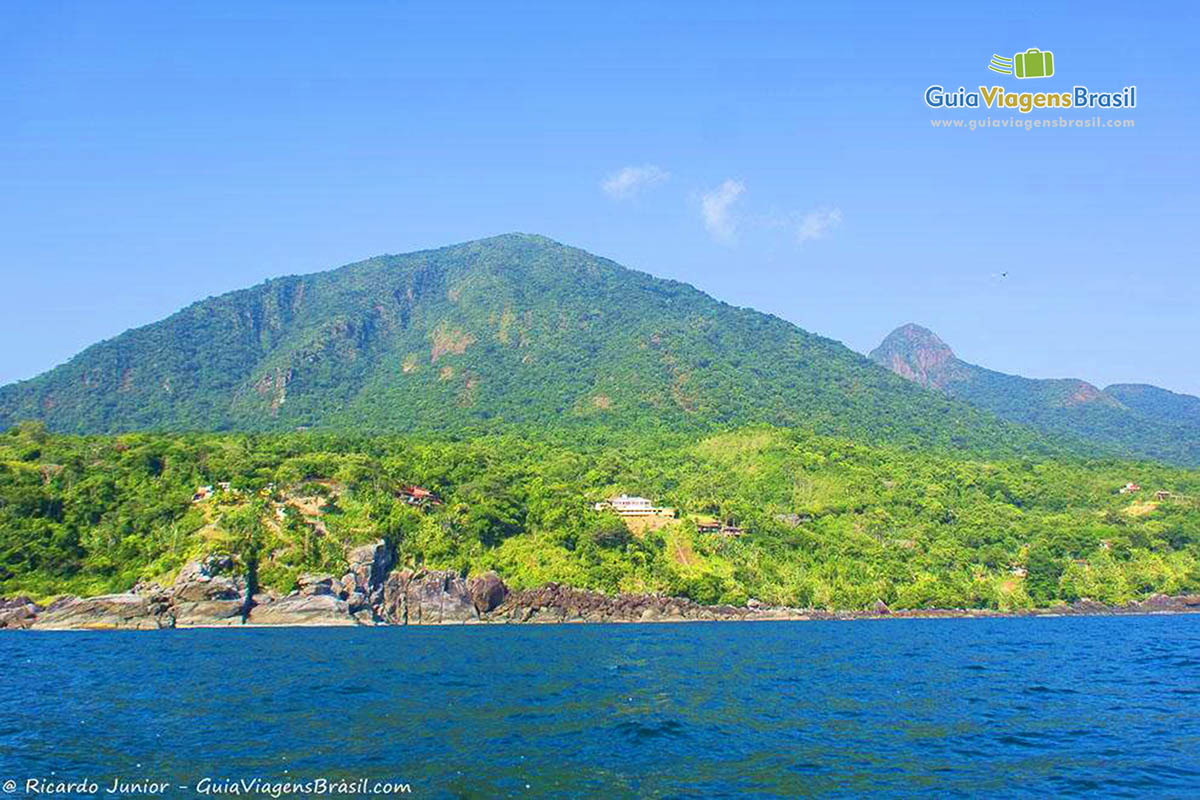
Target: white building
x,y
628,506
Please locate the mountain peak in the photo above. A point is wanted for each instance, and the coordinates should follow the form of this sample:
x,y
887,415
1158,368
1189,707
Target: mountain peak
x,y
916,353
515,241
915,336
517,237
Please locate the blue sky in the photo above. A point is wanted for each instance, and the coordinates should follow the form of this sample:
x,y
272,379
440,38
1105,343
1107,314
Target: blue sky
x,y
782,158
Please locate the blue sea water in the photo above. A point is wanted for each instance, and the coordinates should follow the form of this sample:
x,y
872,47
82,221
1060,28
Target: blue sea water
x,y
1000,708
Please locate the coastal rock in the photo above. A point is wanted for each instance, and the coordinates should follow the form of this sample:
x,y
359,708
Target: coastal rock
x,y
217,588
356,597
148,588
358,603
370,564
427,598
17,618
263,598
557,603
17,612
1159,602
204,613
1086,606
313,585
487,591
203,596
126,611
19,601
303,609
205,569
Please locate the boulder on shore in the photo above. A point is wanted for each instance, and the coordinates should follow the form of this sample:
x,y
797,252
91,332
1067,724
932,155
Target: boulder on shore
x,y
1087,606
487,591
312,585
427,598
303,609
203,595
126,611
369,564
1157,602
18,612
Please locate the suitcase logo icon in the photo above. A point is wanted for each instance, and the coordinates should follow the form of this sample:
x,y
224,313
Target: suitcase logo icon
x,y
1033,63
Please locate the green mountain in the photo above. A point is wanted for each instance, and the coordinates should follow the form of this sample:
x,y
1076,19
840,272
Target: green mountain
x,y
1161,404
1125,420
515,329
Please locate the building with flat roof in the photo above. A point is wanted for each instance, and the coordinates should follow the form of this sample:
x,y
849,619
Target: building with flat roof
x,y
631,506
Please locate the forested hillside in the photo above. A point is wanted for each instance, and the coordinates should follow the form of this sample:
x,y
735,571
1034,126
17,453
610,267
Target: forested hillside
x,y
1155,403
1130,420
521,382
826,522
511,331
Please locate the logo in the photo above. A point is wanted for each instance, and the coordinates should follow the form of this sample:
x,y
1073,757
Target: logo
x,y
1033,63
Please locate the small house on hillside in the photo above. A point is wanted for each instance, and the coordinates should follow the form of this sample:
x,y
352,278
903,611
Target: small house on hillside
x,y
202,493
418,496
714,525
1130,488
1162,495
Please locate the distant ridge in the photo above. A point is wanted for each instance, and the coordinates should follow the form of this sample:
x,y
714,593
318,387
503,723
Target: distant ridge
x,y
1160,404
1131,420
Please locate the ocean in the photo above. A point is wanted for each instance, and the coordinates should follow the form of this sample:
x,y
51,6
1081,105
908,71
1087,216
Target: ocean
x,y
1050,707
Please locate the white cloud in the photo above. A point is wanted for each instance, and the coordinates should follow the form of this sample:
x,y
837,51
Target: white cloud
x,y
817,224
715,207
628,181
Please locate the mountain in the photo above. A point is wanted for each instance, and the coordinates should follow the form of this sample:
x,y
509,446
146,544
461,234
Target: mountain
x,y
1156,403
1126,420
515,329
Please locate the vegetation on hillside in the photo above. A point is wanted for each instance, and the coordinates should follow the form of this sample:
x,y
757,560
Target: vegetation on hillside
x,y
522,381
1160,404
828,522
1129,421
481,337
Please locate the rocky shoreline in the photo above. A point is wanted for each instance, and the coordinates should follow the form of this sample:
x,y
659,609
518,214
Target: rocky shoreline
x,y
208,593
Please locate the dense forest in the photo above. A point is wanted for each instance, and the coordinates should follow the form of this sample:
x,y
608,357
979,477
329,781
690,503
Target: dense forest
x,y
826,522
478,337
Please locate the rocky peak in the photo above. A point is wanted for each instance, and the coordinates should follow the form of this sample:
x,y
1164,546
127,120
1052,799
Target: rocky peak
x,y
916,353
1081,392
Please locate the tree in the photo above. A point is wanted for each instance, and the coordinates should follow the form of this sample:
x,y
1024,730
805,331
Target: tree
x,y
1044,571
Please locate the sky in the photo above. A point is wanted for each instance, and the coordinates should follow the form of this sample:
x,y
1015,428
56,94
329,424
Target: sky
x,y
776,156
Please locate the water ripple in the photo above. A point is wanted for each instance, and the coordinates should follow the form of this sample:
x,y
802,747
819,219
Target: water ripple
x,y
953,708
